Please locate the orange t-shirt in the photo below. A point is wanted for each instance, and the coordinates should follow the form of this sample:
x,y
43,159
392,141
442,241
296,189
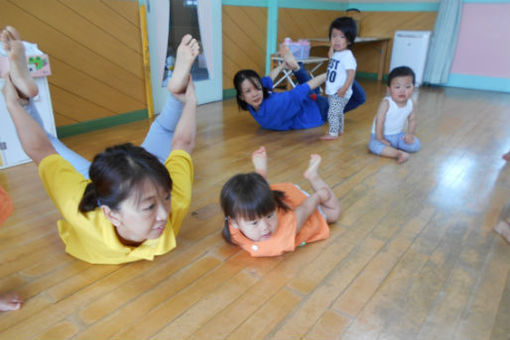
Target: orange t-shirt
x,y
284,238
5,206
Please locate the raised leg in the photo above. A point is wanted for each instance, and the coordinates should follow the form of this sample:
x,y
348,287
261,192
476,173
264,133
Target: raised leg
x,y
18,69
289,61
159,138
187,52
259,160
330,205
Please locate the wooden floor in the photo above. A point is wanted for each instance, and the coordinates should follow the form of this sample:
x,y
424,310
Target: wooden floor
x,y
412,257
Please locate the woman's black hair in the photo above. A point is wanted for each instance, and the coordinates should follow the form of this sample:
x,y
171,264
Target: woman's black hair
x,y
116,171
254,78
249,196
348,27
401,71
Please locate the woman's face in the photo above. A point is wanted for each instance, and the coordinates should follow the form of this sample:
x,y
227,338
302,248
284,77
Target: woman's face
x,y
251,94
144,214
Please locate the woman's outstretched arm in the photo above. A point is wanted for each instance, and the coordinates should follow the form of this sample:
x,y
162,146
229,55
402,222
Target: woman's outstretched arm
x,y
33,139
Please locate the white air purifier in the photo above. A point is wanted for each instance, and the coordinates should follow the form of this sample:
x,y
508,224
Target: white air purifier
x,y
410,48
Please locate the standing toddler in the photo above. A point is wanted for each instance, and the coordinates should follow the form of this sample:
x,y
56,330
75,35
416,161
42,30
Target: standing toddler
x,y
341,71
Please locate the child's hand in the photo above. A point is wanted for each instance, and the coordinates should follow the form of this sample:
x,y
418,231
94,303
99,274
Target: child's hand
x,y
330,52
408,138
341,92
385,142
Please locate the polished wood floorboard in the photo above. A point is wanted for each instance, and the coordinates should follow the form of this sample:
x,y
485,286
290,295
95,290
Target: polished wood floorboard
x,y
413,255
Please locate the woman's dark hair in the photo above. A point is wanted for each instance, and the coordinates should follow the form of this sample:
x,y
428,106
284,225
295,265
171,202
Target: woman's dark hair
x,y
401,71
348,27
248,196
254,78
116,171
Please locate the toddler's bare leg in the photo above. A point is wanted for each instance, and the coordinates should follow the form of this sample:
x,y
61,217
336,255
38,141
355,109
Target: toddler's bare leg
x,y
186,54
330,206
10,301
18,70
259,160
288,58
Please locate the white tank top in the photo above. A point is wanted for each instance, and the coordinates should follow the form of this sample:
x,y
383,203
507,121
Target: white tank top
x,y
395,117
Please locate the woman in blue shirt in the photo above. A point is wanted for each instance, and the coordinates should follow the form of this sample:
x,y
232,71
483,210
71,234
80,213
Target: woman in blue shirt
x,y
298,108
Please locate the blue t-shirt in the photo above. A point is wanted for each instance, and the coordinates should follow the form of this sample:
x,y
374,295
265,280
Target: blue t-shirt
x,y
289,110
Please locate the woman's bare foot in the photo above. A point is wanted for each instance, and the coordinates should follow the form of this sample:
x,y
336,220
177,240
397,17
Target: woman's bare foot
x,y
503,229
506,156
18,68
288,58
186,54
259,160
10,301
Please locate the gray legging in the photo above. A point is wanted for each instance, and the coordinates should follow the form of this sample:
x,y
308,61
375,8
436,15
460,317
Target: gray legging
x,y
158,140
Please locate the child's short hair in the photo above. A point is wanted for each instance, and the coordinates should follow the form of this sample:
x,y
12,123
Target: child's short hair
x,y
401,71
249,196
241,76
348,27
119,170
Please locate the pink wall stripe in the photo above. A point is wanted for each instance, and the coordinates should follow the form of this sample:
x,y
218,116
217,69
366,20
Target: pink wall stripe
x,y
483,46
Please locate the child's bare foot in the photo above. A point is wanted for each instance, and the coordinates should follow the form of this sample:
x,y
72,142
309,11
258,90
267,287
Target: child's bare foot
x,y
330,137
186,54
288,58
259,160
402,157
506,156
503,229
10,301
18,69
312,173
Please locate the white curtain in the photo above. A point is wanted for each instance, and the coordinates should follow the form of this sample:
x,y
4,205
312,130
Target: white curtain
x,y
444,40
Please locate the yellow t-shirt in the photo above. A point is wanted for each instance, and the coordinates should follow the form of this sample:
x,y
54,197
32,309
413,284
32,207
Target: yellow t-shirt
x,y
91,237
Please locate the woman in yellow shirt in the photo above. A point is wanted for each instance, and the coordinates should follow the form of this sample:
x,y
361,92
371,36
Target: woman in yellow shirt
x,y
129,209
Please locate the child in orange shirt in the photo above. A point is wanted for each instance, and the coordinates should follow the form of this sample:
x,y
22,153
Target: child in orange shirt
x,y
271,220
8,301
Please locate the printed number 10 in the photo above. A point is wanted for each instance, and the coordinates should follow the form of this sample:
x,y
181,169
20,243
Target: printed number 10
x,y
331,76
